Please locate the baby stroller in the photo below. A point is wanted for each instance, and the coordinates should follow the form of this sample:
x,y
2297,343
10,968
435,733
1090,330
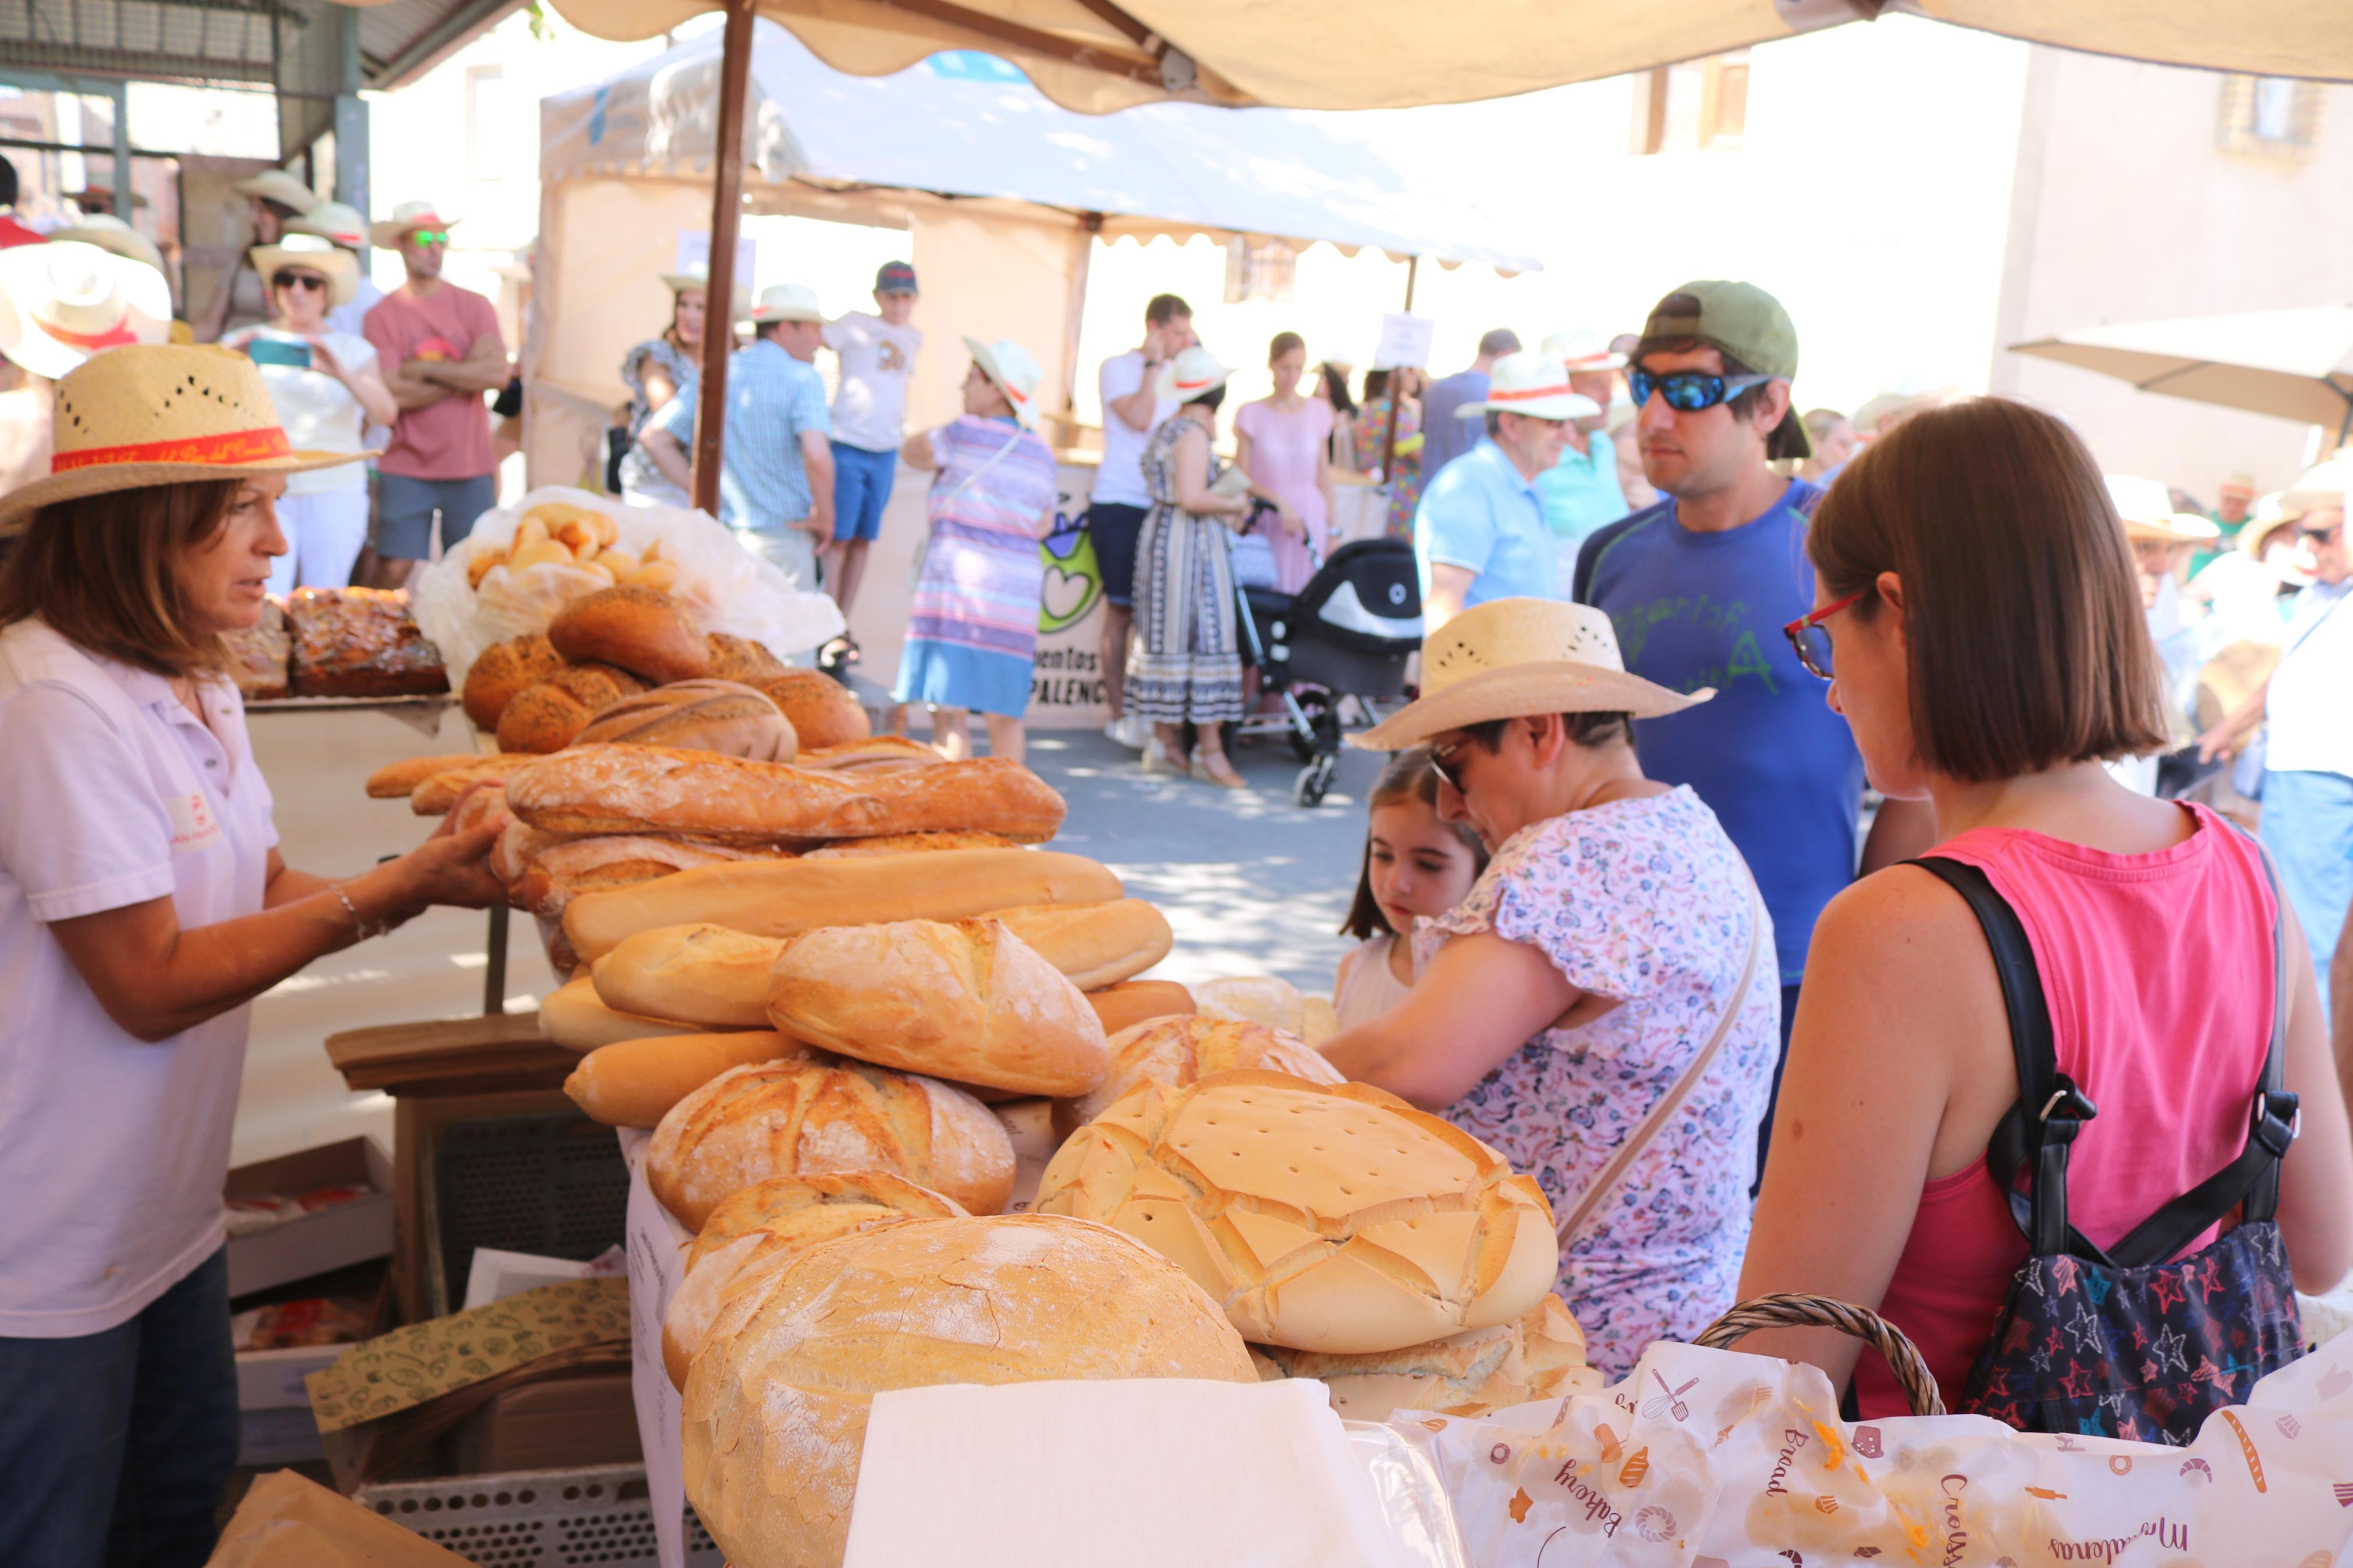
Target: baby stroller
x,y
1347,633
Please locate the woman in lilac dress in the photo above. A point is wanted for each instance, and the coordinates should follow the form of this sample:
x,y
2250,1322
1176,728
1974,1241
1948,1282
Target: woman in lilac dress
x,y
1280,443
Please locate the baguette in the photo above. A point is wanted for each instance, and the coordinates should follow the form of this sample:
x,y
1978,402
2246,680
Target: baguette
x,y
879,753
633,1083
659,789
396,781
915,843
1093,945
485,805
519,844
780,897
437,794
574,1018
703,974
1132,1002
563,871
970,1002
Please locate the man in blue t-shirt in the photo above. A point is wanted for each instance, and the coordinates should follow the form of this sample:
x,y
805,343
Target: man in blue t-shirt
x,y
1699,587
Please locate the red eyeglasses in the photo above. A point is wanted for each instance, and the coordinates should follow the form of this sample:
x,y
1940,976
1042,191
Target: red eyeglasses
x,y
1811,641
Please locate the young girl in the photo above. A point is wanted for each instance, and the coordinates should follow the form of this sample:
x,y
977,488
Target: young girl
x,y
1414,865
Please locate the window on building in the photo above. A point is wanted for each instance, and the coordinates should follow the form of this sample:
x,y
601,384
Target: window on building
x,y
1259,269
2275,115
1692,105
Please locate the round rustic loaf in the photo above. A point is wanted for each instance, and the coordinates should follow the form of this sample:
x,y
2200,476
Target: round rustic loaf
x,y
550,714
503,671
740,658
822,711
776,1401
1540,1355
768,1221
1180,1050
698,716
640,629
1321,1217
818,1112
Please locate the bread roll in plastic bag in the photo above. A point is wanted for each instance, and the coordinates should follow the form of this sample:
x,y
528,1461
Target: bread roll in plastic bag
x,y
722,586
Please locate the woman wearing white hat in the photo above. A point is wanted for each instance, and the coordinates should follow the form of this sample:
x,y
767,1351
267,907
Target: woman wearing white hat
x,y
1605,1009
143,904
656,371
274,197
972,633
349,231
1189,668
61,303
324,386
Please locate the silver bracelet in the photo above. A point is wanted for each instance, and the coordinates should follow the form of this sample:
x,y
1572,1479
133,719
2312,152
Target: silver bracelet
x,y
351,909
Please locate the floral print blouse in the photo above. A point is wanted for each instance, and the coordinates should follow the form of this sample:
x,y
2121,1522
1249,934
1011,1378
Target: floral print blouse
x,y
1644,901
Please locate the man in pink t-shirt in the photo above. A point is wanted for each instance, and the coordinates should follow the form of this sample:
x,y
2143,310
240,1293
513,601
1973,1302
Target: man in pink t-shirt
x,y
441,350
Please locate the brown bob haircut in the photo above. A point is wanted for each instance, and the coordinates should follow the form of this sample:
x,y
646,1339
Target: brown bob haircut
x,y
2021,614
100,569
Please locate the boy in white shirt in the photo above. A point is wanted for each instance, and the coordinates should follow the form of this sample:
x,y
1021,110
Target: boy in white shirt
x,y
877,355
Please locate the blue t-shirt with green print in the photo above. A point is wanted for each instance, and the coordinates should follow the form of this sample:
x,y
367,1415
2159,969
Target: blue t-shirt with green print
x,y
1774,764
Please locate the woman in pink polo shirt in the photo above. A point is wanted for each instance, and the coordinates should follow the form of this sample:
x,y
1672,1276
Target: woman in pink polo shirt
x,y
1991,654
143,904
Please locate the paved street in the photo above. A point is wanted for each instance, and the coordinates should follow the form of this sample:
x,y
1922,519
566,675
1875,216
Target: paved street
x,y
1252,884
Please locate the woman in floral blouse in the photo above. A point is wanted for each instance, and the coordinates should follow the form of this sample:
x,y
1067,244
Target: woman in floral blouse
x,y
1589,970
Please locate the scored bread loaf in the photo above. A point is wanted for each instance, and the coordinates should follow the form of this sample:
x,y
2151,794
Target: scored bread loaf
x,y
661,789
634,1082
484,806
640,629
562,872
968,1000
397,781
1093,945
879,753
437,794
545,716
1539,1355
705,973
769,1221
915,843
504,670
573,1017
815,1113
1182,1050
519,844
776,1401
778,898
697,716
740,658
822,711
1321,1217
1131,1002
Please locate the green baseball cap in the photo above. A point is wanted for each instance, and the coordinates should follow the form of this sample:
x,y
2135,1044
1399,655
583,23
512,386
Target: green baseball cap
x,y
1741,320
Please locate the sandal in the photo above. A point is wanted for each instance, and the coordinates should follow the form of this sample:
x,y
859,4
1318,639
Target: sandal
x,y
1159,759
1200,769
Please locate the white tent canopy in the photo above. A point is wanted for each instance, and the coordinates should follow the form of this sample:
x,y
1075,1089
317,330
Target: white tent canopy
x,y
967,125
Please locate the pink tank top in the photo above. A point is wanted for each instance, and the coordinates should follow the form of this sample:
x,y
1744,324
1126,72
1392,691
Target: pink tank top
x,y
2157,970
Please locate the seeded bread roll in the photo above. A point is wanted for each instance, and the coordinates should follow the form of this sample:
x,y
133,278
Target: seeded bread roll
x,y
503,671
546,717
634,1082
697,716
969,1001
640,629
817,1112
822,711
740,658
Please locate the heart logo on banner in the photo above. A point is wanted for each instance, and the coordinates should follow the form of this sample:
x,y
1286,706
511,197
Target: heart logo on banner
x,y
1067,596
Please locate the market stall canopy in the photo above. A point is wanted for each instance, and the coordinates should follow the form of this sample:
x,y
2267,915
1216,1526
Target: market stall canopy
x,y
1096,56
968,125
2294,365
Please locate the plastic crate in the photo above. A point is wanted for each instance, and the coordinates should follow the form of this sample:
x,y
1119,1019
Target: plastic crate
x,y
553,1184
538,1519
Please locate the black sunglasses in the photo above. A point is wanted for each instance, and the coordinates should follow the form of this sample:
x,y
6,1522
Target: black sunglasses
x,y
310,280
1688,391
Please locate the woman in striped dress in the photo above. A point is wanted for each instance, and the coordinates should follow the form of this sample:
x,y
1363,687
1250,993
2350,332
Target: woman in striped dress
x,y
1190,667
972,635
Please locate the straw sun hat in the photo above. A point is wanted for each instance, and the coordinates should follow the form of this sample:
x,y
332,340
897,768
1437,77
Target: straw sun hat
x,y
1514,658
1008,364
311,253
1191,374
1531,383
785,302
2147,508
406,218
160,415
63,301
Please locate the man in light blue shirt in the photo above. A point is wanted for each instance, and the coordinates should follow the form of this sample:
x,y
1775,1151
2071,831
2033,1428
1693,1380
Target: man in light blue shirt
x,y
775,479
1481,532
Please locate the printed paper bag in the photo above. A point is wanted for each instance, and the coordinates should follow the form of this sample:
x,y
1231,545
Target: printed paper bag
x,y
1717,1460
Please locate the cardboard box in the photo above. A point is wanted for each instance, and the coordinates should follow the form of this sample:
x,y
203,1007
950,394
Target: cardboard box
x,y
586,1418
317,1243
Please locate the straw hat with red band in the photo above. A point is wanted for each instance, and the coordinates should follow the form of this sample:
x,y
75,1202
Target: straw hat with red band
x,y
406,219
332,220
1191,374
1015,374
140,416
1581,352
1533,385
64,302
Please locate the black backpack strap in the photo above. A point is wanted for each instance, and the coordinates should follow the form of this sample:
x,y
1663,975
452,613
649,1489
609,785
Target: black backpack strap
x,y
2051,1110
2254,1176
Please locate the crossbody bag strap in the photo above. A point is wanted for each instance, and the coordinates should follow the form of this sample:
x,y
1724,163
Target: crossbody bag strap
x,y
1603,1184
2037,1129
2254,1176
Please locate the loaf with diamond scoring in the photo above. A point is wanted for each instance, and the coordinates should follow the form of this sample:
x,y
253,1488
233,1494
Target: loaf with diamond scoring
x,y
1176,1051
1321,1217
